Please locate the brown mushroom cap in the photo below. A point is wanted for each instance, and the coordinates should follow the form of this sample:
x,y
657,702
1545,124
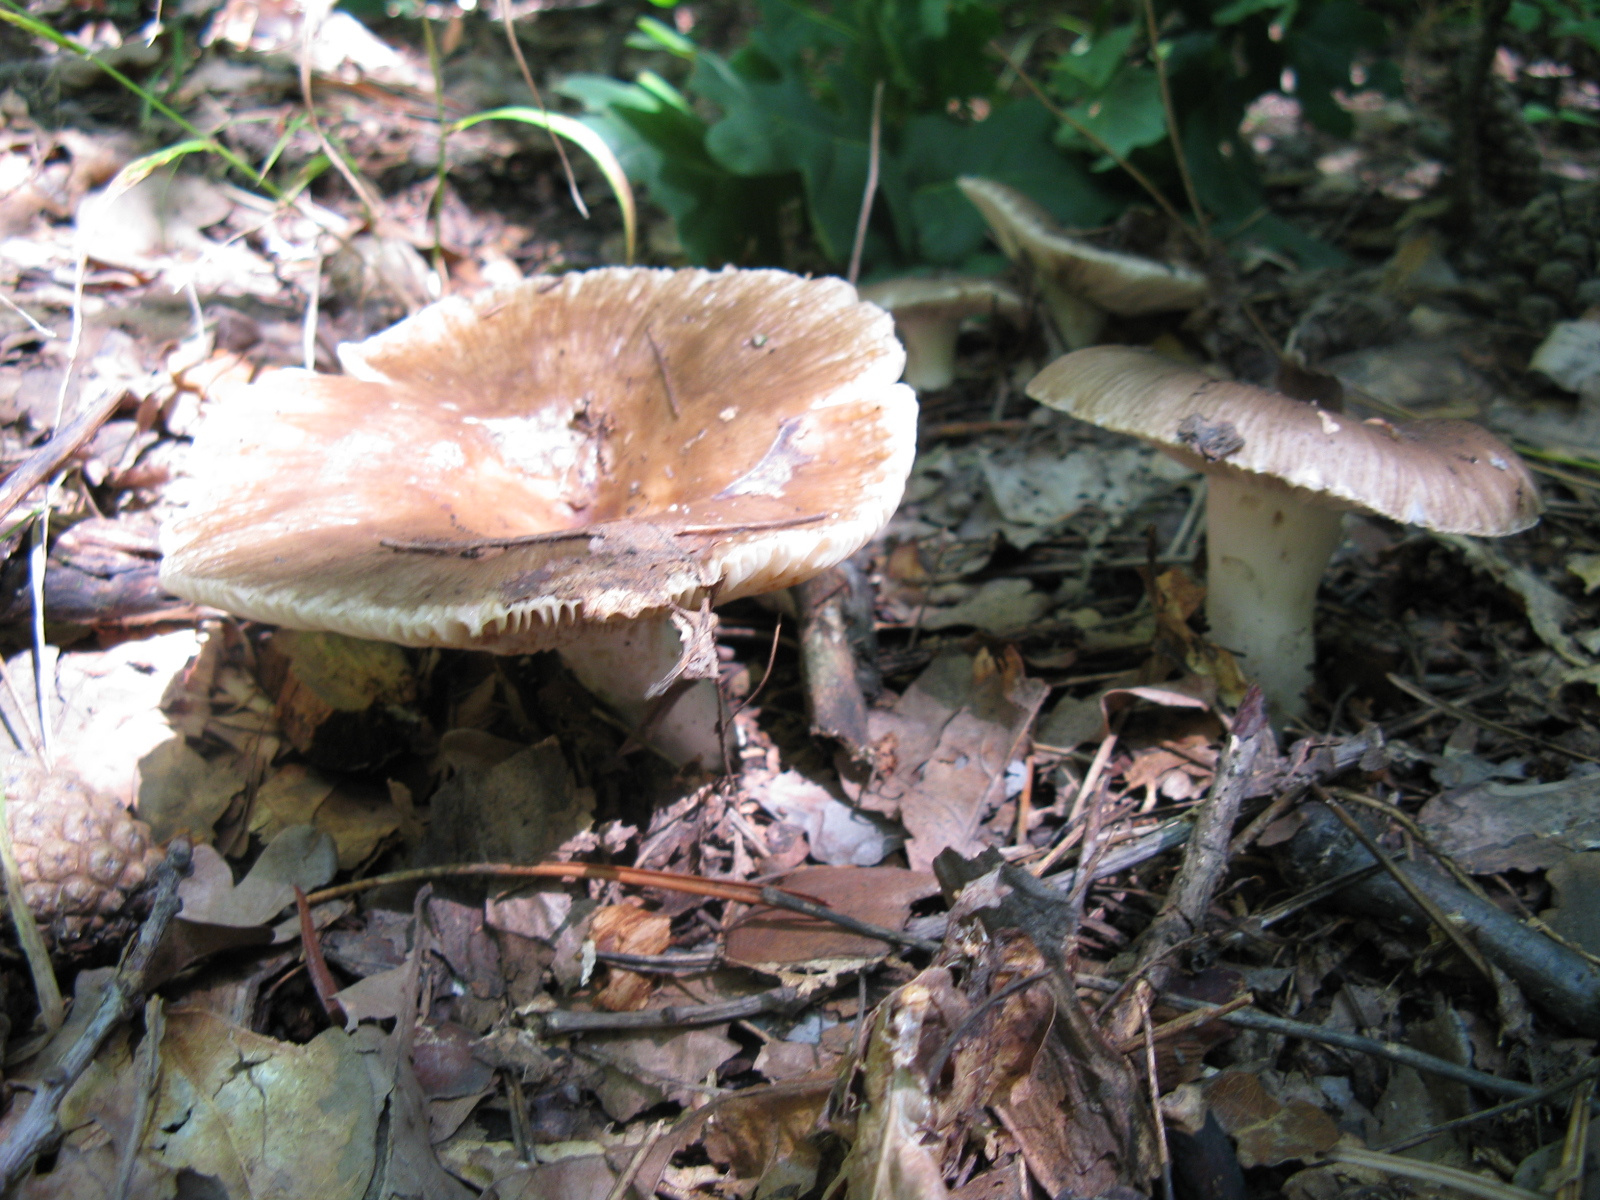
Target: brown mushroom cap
x,y
1129,285
683,434
946,296
1449,476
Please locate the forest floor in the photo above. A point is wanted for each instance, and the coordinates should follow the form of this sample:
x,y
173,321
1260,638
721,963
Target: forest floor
x,y
1009,835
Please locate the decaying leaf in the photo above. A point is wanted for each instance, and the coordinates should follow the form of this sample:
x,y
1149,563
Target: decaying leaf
x,y
264,1118
944,748
297,857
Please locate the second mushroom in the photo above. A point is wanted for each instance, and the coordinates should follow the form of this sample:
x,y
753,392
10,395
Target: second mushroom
x,y
583,463
1280,475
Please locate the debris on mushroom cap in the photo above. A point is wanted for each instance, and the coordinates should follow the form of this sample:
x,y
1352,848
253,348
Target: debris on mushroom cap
x,y
1449,476
1129,285
589,447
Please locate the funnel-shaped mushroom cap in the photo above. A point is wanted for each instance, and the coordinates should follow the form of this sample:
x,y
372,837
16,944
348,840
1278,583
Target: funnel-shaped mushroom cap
x,y
1126,284
1449,476
661,436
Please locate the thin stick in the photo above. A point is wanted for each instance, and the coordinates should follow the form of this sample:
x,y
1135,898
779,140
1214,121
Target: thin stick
x,y
26,316
52,1011
147,1063
666,379
775,898
1250,1018
1173,135
1095,140
720,889
308,327
1465,714
1499,1110
39,1126
473,547
874,145
1446,926
672,1016
1155,1102
436,203
527,78
369,202
38,564
1576,1148
1200,1016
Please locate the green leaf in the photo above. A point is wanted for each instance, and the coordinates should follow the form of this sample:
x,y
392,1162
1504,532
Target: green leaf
x,y
1126,116
1232,14
1524,17
1092,62
936,224
663,37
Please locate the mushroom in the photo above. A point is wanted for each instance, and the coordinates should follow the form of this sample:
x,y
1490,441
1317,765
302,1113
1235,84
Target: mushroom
x,y
1280,474
582,463
1080,283
928,312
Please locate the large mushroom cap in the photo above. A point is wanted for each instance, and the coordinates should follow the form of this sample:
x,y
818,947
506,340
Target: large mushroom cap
x,y
1129,285
1449,476
679,433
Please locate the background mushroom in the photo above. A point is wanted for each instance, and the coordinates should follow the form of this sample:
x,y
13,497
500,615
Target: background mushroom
x,y
928,311
581,463
1080,283
1280,474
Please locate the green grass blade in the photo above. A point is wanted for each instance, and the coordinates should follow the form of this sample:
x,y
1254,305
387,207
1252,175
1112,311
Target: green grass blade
x,y
29,24
587,140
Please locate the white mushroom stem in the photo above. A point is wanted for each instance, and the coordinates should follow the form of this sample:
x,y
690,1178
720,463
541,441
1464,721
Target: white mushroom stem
x,y
930,344
1266,551
619,663
1079,320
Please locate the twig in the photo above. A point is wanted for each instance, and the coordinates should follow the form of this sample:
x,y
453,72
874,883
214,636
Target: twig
x,y
625,1180
147,1064
1575,1150
473,547
666,379
1154,1079
874,149
1415,1168
527,78
1499,1110
1250,1018
440,165
673,1016
1420,898
322,980
1200,1016
936,1065
38,564
1099,144
368,201
775,898
1205,859
720,889
39,1127
1466,714
44,462
52,1012
1173,134
308,325
41,330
